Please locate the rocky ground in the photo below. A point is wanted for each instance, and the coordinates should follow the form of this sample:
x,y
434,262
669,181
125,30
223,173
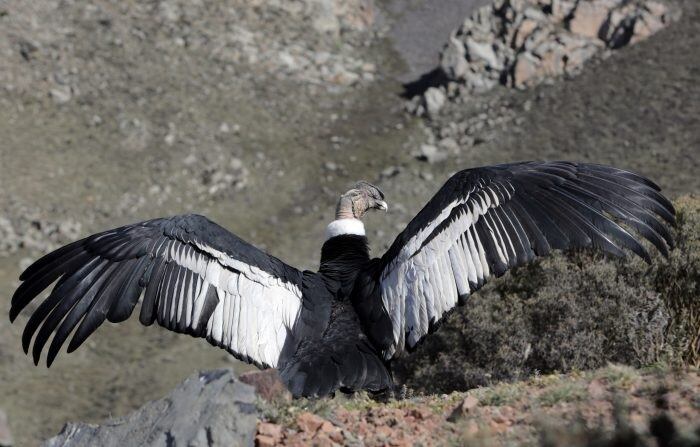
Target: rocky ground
x,y
615,405
257,114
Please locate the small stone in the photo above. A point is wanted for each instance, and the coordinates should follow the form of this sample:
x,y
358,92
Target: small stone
x,y
656,8
645,26
526,28
390,171
224,128
330,166
265,441
274,431
449,144
345,78
309,422
61,94
499,418
525,70
469,404
434,100
288,60
588,18
334,433
484,52
453,59
190,160
562,8
369,67
236,163
426,175
430,153
326,21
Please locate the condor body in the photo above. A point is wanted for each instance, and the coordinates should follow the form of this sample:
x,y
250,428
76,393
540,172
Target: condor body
x,y
339,328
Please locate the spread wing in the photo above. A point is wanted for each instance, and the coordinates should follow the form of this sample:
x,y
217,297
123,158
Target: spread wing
x,y
485,221
195,277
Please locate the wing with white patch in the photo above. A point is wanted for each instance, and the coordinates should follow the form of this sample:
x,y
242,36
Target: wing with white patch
x,y
484,221
195,277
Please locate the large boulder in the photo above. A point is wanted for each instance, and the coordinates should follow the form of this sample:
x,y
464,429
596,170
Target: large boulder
x,y
208,409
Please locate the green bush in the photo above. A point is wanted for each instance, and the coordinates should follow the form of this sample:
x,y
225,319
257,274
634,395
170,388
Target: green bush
x,y
568,312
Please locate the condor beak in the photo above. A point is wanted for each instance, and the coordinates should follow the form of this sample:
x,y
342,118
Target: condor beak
x,y
381,205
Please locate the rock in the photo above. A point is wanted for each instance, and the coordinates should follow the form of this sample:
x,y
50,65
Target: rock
x,y
309,422
430,153
334,433
484,52
267,384
526,28
273,430
449,144
61,94
356,15
469,404
326,20
5,434
649,22
390,171
345,78
265,441
466,407
95,120
479,83
588,18
169,139
208,409
434,100
525,70
577,56
453,59
562,8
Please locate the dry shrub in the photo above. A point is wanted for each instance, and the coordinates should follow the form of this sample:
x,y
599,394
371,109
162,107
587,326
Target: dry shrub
x,y
568,312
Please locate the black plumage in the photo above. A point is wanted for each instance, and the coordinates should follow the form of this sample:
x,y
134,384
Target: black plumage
x,y
339,328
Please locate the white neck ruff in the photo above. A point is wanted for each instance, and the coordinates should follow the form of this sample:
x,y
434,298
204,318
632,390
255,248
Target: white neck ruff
x,y
345,226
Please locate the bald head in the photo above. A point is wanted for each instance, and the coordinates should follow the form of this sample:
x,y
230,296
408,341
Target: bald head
x,y
362,197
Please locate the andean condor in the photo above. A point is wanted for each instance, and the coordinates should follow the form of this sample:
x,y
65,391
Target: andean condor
x,y
341,327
